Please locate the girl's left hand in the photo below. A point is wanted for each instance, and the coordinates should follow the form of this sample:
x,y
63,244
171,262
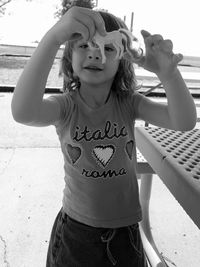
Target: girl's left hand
x,y
159,57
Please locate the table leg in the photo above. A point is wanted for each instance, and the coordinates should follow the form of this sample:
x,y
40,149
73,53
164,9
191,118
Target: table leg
x,y
145,229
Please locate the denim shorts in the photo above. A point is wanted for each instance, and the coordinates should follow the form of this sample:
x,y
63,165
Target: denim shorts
x,y
73,244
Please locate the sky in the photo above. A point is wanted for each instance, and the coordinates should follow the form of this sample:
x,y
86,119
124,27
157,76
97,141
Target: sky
x,y
178,20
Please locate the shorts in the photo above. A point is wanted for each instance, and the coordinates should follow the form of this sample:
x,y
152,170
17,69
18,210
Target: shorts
x,y
74,244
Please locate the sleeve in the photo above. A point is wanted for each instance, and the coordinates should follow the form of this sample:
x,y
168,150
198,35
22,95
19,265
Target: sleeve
x,y
65,105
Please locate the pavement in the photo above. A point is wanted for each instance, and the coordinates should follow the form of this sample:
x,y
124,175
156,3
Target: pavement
x,y
31,188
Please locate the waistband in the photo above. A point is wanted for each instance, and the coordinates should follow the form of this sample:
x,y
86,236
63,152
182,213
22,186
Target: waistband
x,y
108,234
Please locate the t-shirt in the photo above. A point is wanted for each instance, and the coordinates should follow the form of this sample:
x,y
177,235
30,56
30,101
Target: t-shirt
x,y
99,150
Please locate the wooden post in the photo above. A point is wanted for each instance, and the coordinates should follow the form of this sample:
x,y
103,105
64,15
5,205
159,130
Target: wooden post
x,y
132,15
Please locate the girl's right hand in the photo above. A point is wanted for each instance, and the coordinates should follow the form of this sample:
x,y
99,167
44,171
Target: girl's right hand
x,y
77,22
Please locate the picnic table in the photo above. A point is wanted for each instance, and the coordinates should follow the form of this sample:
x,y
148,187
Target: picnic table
x,y
175,157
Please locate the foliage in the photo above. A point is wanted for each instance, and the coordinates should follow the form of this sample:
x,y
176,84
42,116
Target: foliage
x,y
66,4
3,4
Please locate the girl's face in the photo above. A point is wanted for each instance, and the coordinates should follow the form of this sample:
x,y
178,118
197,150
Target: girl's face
x,y
87,64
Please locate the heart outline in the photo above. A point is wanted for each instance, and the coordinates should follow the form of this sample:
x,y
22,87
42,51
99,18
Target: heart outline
x,y
129,148
74,153
103,154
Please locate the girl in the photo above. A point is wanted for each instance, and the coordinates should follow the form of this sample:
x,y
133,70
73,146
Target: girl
x,y
98,223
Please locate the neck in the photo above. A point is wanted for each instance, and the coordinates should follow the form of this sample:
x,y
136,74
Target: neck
x,y
94,96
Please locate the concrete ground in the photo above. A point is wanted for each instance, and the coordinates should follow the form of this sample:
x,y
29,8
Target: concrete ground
x,y
31,185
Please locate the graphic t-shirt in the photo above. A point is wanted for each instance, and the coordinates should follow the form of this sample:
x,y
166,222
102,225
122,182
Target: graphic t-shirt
x,y
98,146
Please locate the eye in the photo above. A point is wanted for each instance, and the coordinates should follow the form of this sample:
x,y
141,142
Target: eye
x,y
109,48
83,46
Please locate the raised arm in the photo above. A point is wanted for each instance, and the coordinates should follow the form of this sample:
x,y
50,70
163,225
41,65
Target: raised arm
x,y
180,111
27,102
28,106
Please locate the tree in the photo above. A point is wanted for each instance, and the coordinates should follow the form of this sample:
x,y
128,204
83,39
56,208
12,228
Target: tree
x,y
3,3
66,4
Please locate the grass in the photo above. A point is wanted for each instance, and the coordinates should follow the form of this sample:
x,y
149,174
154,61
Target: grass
x,y
11,68
10,62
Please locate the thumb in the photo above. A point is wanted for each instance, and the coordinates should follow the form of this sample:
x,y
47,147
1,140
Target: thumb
x,y
76,37
145,34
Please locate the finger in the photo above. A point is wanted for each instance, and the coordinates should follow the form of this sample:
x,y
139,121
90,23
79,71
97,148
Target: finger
x,y
169,43
89,25
100,24
154,41
156,38
167,46
97,20
82,31
76,37
177,58
145,34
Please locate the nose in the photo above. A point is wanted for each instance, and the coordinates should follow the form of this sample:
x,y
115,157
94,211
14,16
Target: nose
x,y
94,54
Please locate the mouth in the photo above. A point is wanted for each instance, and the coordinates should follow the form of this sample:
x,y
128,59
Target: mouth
x,y
93,68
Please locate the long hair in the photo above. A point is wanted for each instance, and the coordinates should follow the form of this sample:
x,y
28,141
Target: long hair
x,y
124,81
